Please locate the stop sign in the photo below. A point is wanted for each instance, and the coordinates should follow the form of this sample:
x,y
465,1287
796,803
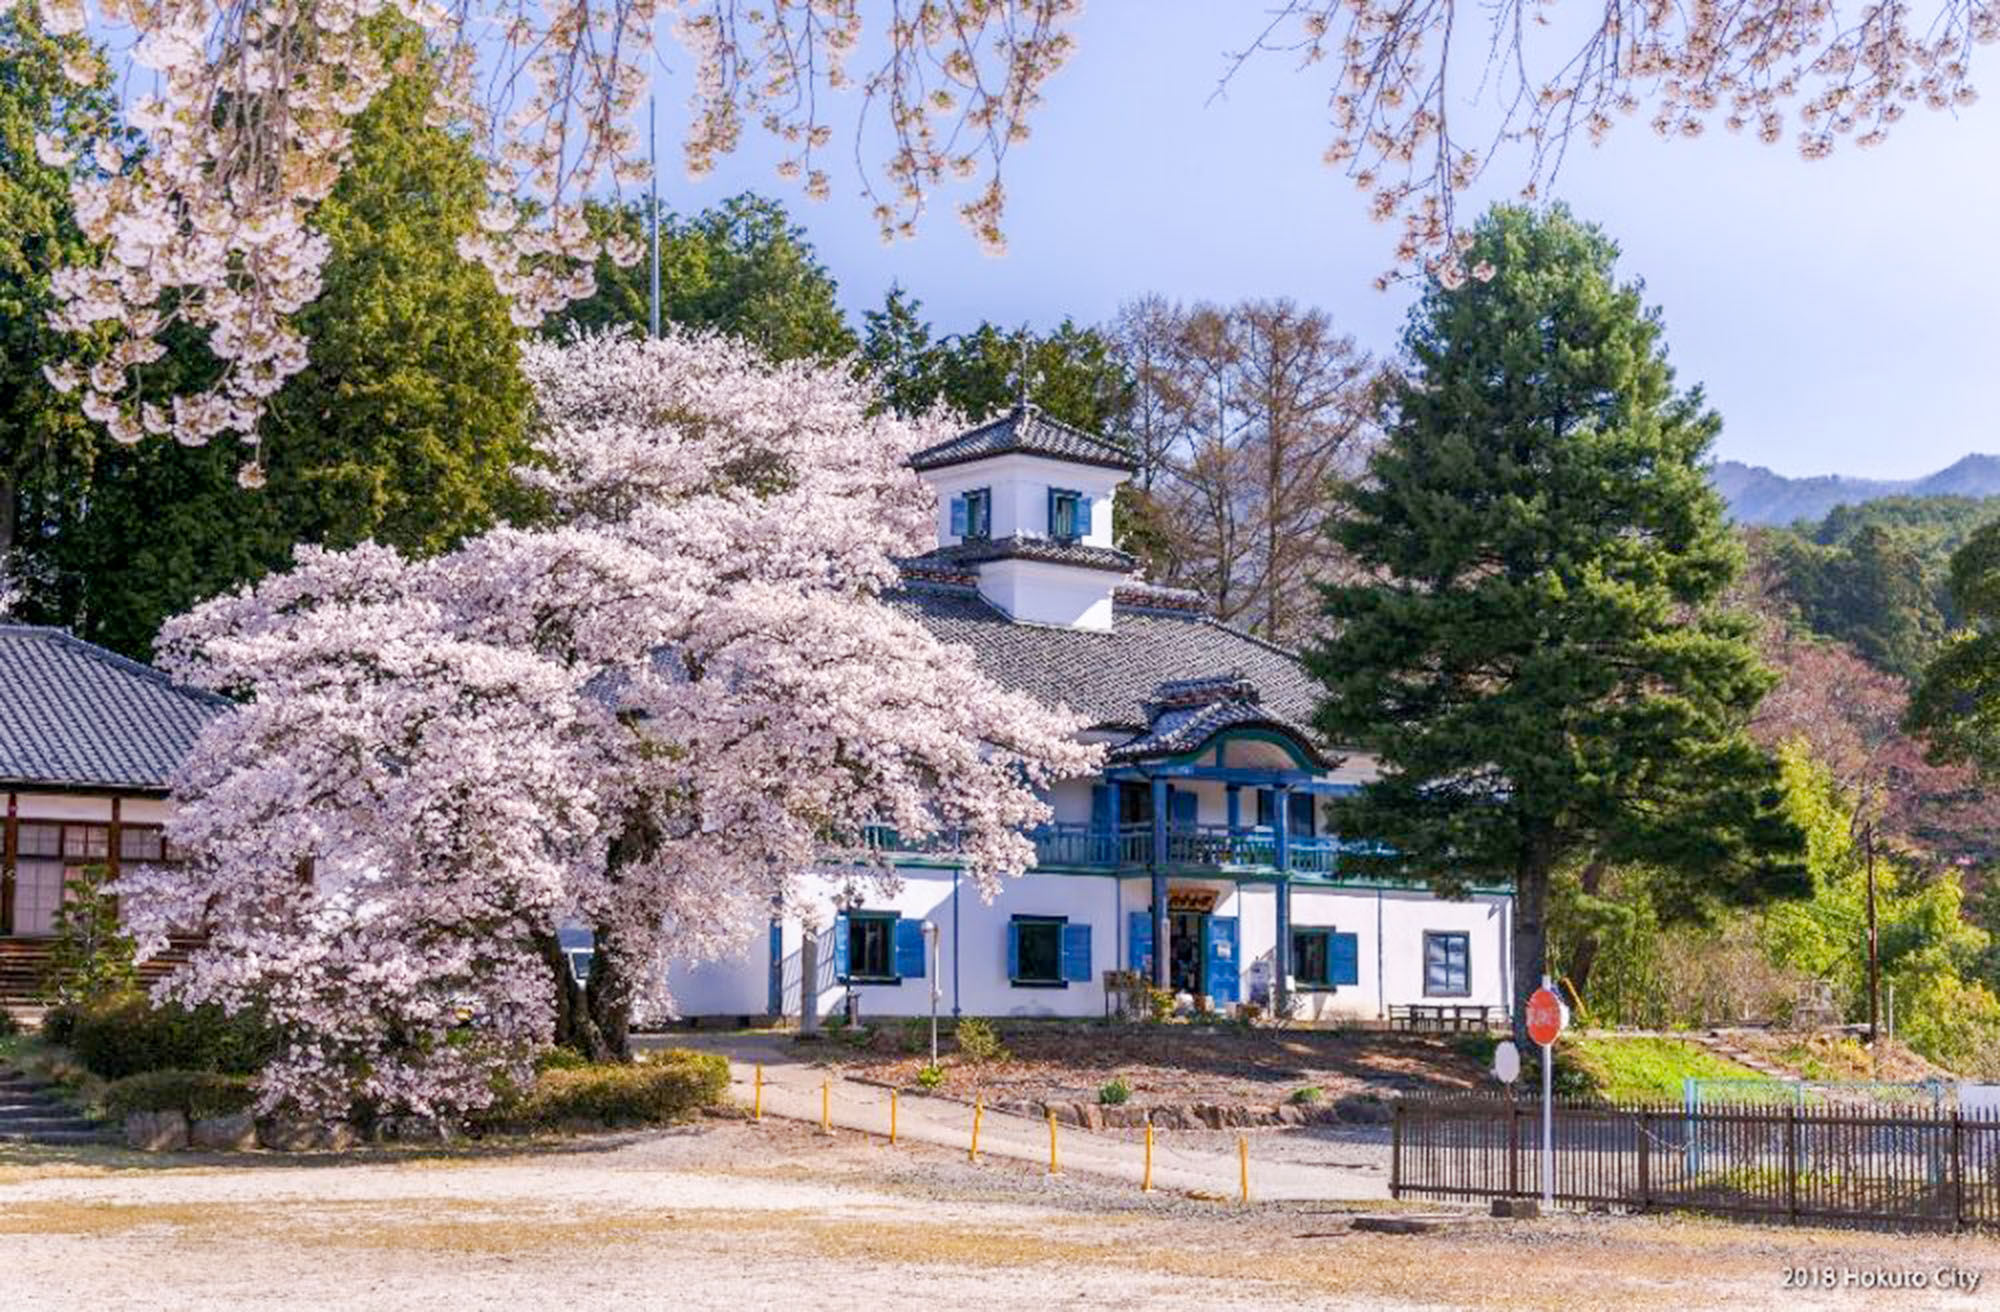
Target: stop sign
x,y
1545,1016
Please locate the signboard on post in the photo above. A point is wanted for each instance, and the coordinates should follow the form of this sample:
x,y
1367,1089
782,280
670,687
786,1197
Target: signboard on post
x,y
1546,1017
1506,1062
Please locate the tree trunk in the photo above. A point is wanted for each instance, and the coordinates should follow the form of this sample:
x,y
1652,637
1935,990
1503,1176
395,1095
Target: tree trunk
x,y
1531,939
1591,879
577,1027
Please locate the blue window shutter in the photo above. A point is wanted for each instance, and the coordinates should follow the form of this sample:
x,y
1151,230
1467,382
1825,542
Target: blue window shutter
x,y
1076,953
1343,959
1181,807
1140,936
1082,516
1267,808
1100,808
840,946
958,516
910,949
1219,964
1052,512
1013,949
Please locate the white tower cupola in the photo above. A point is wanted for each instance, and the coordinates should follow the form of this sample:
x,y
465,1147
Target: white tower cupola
x,y
1025,501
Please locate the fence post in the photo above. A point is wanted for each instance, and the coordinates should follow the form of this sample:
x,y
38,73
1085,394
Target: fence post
x,y
1395,1152
1645,1161
1513,1149
1792,1162
1957,1170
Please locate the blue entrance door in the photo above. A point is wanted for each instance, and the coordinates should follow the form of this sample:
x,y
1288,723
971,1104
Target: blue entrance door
x,y
1220,959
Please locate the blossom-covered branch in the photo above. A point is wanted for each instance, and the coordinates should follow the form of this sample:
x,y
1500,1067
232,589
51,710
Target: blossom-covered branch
x,y
244,110
1427,95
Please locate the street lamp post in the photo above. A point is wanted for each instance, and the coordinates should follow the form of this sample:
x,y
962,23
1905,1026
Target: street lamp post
x,y
932,938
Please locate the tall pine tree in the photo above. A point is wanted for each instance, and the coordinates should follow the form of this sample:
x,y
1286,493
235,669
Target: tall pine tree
x,y
1535,652
405,428
45,443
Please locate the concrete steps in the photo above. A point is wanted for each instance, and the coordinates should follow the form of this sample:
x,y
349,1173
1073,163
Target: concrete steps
x,y
34,1112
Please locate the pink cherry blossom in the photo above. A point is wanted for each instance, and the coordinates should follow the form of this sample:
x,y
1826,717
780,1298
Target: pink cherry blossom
x,y
651,715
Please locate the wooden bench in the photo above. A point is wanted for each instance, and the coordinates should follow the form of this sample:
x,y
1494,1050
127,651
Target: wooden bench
x,y
1446,1017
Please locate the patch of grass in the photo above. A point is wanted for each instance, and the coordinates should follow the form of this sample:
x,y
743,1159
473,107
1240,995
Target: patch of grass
x,y
1308,1096
1114,1092
1637,1069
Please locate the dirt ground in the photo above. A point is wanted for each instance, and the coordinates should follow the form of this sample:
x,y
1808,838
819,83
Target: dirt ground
x,y
1164,1064
725,1214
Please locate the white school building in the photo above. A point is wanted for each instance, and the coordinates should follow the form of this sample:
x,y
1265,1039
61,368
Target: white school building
x,y
1201,858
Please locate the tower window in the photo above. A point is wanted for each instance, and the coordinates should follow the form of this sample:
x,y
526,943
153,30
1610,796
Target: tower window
x,y
1066,518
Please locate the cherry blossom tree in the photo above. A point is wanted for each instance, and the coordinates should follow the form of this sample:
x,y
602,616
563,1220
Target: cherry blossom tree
x,y
651,716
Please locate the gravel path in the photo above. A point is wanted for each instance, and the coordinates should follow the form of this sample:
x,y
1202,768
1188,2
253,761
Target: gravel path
x,y
730,1215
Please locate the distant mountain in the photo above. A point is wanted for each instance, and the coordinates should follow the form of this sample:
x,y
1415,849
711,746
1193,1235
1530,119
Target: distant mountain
x,y
1758,496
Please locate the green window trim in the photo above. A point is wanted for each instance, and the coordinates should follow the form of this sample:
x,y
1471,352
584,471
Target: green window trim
x,y
871,934
979,514
1033,941
1312,959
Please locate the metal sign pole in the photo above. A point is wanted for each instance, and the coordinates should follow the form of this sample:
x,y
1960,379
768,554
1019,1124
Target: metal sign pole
x,y
1548,1124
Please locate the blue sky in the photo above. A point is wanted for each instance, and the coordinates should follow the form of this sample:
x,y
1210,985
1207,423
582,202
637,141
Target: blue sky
x,y
1841,314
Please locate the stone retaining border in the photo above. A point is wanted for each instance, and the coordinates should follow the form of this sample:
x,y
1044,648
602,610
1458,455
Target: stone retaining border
x,y
1352,1109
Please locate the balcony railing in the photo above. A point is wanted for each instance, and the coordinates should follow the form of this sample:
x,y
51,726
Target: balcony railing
x,y
1130,847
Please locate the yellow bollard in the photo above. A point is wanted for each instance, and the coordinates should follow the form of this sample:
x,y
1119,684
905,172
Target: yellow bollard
x,y
978,1106
1055,1166
892,1118
757,1100
1146,1184
826,1106
1243,1162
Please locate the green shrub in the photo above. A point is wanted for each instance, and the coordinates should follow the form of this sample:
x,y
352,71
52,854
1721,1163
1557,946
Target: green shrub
x,y
978,1041
1308,1096
666,1086
59,1025
1161,1004
92,957
561,1059
930,1077
916,1035
195,1094
1114,1092
127,1035
8,1025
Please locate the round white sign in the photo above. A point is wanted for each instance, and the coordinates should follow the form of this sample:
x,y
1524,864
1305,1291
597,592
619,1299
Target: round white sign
x,y
1507,1062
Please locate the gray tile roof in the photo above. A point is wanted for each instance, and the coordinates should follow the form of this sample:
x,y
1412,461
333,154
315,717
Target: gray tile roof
x,y
1110,678
1053,550
73,715
1025,429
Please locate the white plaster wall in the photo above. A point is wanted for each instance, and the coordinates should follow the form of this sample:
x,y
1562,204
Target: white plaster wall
x,y
1039,592
1020,486
973,953
43,806
1391,959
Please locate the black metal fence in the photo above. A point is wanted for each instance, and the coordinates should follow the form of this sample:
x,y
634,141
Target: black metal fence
x,y
1887,1168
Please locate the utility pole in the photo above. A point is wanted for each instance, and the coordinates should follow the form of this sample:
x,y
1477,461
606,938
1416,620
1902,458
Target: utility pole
x,y
1874,956
653,153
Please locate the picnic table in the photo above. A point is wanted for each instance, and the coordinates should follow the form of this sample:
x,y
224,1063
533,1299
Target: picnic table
x,y
1446,1017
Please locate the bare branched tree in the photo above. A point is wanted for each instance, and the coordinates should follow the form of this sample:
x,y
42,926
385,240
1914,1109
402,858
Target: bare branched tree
x,y
1245,418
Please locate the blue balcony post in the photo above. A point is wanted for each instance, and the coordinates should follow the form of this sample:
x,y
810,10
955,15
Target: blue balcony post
x,y
1160,973
1116,839
1235,793
1281,956
1281,825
